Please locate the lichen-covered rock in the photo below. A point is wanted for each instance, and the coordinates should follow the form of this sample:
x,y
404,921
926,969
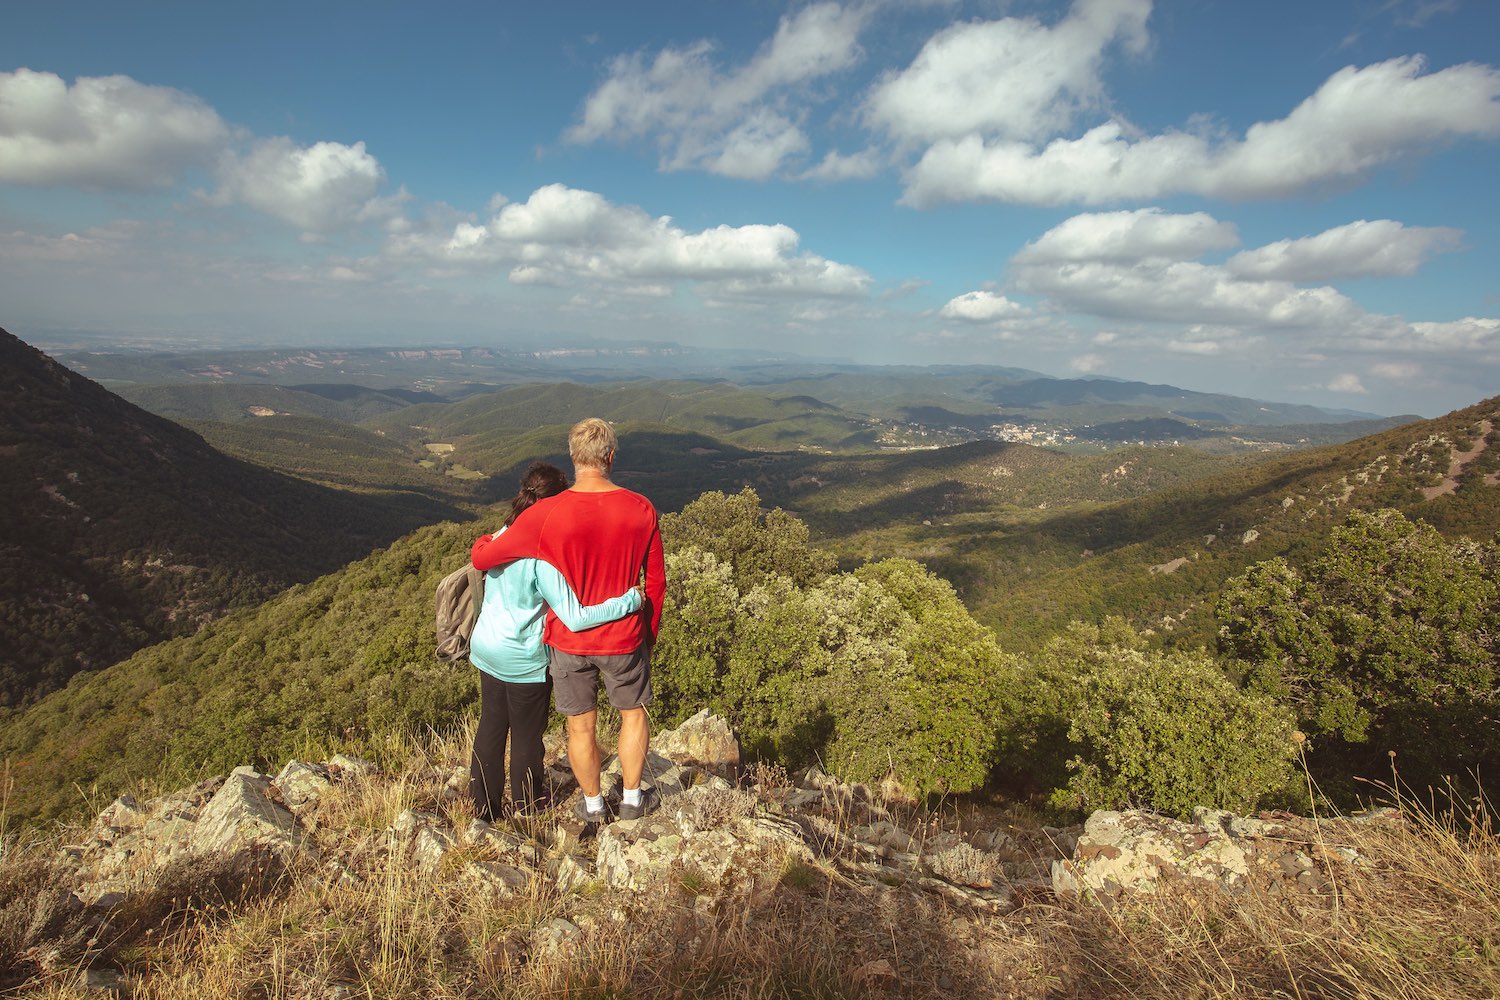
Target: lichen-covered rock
x,y
573,873
555,940
302,784
635,854
497,880
1133,852
705,740
422,838
243,814
123,814
344,766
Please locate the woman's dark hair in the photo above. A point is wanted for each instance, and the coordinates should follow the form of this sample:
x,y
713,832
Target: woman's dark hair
x,y
540,480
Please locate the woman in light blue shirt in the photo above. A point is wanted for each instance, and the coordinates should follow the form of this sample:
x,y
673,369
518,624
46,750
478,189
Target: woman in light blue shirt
x,y
514,689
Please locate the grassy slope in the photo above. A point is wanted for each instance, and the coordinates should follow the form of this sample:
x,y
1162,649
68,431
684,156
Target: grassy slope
x,y
1083,563
334,453
348,654
224,402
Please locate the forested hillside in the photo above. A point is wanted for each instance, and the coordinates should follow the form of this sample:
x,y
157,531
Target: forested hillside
x,y
224,402
335,453
345,656
123,529
1157,559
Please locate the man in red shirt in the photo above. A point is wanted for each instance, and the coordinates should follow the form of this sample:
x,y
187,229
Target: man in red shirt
x,y
602,538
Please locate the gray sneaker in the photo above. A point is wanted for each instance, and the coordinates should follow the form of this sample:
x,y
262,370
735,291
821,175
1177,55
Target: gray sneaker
x,y
649,804
580,810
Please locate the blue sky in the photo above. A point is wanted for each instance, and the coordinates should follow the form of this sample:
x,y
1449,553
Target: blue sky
x,y
1285,200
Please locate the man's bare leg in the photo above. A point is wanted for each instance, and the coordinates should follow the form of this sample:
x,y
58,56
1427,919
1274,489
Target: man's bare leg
x,y
635,735
583,751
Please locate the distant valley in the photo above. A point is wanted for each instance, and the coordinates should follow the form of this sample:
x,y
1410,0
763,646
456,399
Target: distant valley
x,y
133,531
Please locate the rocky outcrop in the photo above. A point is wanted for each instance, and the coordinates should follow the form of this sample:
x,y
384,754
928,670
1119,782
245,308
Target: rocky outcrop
x,y
1122,854
713,844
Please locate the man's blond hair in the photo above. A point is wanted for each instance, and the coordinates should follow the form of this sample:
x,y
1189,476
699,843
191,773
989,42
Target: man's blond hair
x,y
592,443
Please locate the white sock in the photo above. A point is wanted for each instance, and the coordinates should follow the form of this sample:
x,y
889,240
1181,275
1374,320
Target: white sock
x,y
630,797
593,803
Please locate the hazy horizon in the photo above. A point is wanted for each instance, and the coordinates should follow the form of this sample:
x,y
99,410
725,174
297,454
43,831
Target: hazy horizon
x,y
1274,201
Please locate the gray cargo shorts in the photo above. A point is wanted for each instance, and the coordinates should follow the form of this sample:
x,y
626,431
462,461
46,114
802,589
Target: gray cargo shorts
x,y
575,680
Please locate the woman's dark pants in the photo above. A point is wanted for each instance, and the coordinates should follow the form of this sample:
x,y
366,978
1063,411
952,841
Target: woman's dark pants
x,y
519,712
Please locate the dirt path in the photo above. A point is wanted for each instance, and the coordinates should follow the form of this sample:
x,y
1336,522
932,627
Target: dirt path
x,y
1461,459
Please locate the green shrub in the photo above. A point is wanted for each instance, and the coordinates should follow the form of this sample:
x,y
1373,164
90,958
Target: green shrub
x,y
1169,731
756,544
1104,722
874,673
1387,642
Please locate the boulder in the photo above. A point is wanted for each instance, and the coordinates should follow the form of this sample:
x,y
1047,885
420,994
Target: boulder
x,y
696,831
244,815
1134,852
704,740
301,785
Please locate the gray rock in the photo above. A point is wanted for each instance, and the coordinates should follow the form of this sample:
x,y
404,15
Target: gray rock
x,y
704,740
301,784
635,855
555,940
1130,852
346,767
573,873
499,881
242,814
103,982
505,843
124,813
421,838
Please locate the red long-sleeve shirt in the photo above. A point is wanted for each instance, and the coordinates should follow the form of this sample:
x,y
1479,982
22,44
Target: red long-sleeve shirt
x,y
601,543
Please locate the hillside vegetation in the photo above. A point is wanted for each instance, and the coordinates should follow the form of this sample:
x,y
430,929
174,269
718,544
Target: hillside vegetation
x,y
123,529
1158,559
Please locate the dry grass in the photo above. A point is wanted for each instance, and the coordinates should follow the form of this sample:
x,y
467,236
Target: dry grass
x,y
1420,918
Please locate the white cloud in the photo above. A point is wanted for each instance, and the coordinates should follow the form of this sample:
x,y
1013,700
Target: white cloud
x,y
316,188
1415,13
1198,346
1130,236
1134,266
1359,119
1184,291
106,132
563,236
1471,334
1088,363
72,248
1014,78
981,307
753,150
734,122
836,166
1381,248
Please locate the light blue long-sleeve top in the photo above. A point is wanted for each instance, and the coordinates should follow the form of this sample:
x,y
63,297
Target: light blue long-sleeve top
x,y
507,639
